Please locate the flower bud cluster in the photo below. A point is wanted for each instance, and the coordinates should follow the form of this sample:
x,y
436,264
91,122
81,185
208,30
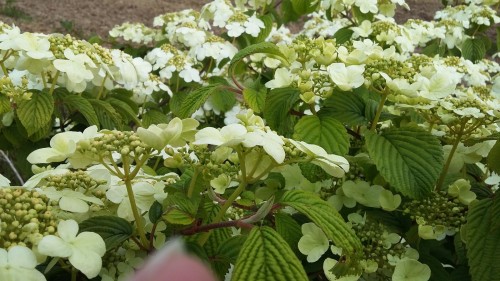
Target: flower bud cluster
x,y
393,68
98,54
377,245
123,142
25,217
437,210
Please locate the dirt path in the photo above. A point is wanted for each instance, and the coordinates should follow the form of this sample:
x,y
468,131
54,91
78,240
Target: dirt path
x,y
90,17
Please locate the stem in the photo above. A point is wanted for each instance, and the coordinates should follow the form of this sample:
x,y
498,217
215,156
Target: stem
x,y
379,112
204,238
44,80
73,274
208,227
101,90
450,157
54,82
128,183
192,183
12,167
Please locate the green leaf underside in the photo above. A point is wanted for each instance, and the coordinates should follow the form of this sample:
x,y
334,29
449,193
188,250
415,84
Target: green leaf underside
x,y
324,131
483,240
289,229
36,112
113,230
255,99
473,49
494,157
325,217
106,113
266,256
153,116
409,158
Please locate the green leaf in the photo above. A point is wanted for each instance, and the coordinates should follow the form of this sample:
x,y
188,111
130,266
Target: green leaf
x,y
288,12
36,113
343,35
155,212
256,99
347,107
409,158
324,131
326,217
290,230
180,209
265,256
263,47
482,239
223,100
82,105
279,102
196,99
125,110
498,38
302,7
153,116
107,115
493,158
113,230
4,104
473,49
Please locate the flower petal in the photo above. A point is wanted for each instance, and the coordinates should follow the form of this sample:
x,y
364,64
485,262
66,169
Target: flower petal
x,y
67,230
90,241
54,246
72,204
88,262
22,257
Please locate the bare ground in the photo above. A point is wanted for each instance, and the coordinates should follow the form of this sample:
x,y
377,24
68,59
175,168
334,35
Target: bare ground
x,y
97,17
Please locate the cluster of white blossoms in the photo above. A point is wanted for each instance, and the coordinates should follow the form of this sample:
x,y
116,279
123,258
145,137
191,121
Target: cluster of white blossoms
x,y
64,61
136,33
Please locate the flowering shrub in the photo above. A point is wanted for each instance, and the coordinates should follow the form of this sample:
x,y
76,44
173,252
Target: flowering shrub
x,y
356,149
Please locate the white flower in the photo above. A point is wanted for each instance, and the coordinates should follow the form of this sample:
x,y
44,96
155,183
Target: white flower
x,y
220,183
253,25
411,270
174,133
229,135
367,6
313,243
346,78
333,164
282,78
363,193
363,30
83,250
19,264
235,29
75,68
62,146
70,200
270,141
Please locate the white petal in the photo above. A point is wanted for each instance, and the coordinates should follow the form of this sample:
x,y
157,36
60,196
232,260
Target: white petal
x,y
209,135
22,257
90,241
275,150
74,205
88,262
54,246
45,155
67,230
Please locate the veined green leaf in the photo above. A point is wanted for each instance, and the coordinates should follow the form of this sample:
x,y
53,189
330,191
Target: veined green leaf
x,y
483,243
4,104
153,116
324,131
125,110
196,99
82,105
263,47
279,102
326,217
36,113
343,35
268,27
113,230
107,115
290,230
473,49
222,99
409,158
347,107
256,99
265,256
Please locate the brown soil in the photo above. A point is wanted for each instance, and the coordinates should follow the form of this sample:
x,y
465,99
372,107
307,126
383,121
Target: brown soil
x,y
87,17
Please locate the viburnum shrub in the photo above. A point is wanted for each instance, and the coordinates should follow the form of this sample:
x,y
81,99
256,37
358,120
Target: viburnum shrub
x,y
358,148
